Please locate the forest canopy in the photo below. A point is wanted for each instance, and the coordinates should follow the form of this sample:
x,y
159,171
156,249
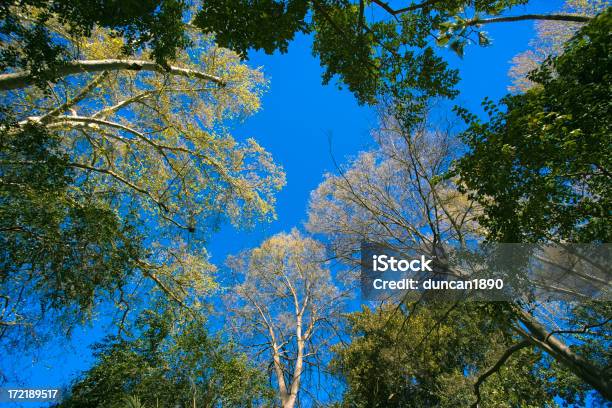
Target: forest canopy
x,y
126,155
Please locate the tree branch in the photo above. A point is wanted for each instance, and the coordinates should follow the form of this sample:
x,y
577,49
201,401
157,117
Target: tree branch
x,y
584,330
76,99
16,80
548,17
561,352
111,109
388,9
122,180
61,120
511,350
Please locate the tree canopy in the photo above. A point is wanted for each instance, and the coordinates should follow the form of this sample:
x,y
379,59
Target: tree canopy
x,y
153,25
120,158
540,164
371,47
405,194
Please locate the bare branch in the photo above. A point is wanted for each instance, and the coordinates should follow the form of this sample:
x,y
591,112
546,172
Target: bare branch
x,y
122,180
548,17
76,99
16,80
390,10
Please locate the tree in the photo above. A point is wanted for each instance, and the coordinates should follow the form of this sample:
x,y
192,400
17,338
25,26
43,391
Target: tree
x,y
114,177
172,361
540,165
400,197
285,304
540,169
373,48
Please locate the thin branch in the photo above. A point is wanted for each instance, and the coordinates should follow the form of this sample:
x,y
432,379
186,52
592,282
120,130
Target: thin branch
x,y
121,179
61,120
111,109
164,288
584,330
393,12
76,99
495,368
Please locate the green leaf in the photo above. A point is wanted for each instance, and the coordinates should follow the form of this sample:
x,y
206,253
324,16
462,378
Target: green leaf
x,y
483,40
458,47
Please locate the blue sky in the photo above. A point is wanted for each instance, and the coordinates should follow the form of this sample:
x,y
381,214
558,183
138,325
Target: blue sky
x,y
298,117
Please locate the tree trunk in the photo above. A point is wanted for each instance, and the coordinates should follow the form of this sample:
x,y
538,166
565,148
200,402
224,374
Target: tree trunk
x,y
291,397
577,364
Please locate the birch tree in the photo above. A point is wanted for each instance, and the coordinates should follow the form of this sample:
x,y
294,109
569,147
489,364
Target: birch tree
x,y
395,194
284,306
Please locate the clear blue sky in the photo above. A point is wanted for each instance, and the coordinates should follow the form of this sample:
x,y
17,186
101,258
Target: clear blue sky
x,y
298,116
